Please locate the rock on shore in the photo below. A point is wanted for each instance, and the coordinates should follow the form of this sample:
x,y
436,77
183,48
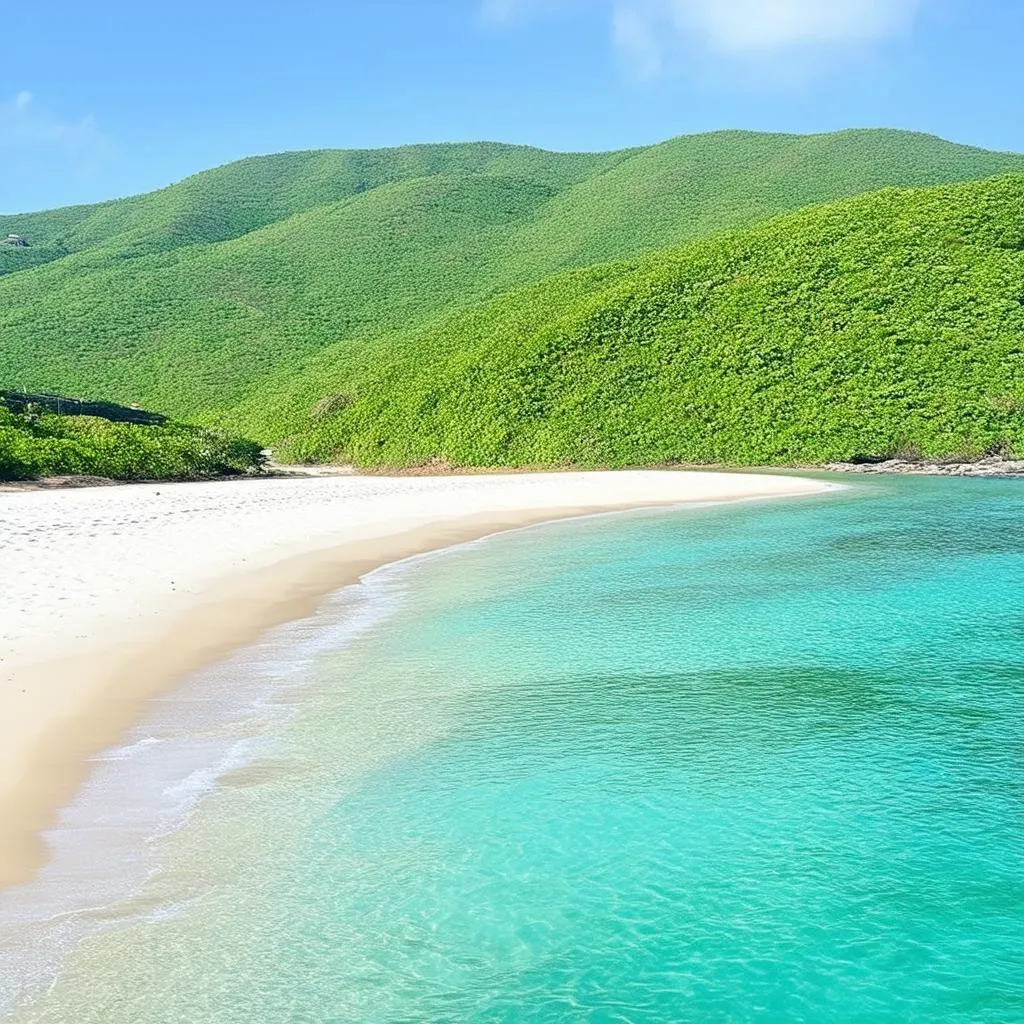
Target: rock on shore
x,y
993,465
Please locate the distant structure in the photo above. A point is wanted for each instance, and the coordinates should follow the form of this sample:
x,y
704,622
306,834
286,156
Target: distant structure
x,y
17,241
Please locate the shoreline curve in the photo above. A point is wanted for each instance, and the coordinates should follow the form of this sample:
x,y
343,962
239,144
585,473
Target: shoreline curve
x,y
77,675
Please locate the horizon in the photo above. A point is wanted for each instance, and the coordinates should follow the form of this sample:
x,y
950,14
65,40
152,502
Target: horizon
x,y
119,101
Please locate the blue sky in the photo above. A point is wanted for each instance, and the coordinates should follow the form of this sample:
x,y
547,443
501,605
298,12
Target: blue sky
x,y
110,98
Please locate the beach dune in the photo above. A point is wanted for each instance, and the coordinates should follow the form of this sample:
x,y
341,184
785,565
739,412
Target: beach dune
x,y
109,595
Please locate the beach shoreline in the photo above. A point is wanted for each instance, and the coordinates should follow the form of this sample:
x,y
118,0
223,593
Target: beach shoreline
x,y
94,626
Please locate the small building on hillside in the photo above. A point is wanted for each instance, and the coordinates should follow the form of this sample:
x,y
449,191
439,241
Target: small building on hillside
x,y
16,240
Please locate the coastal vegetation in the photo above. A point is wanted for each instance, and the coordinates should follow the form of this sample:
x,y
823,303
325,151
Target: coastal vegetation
x,y
891,323
36,443
728,298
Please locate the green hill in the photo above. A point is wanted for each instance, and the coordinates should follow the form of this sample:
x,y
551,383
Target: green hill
x,y
237,198
245,295
887,323
185,299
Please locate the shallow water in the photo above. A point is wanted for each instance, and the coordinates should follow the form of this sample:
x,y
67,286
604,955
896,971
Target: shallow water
x,y
757,762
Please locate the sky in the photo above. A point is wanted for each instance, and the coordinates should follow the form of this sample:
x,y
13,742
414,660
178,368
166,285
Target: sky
x,y
112,98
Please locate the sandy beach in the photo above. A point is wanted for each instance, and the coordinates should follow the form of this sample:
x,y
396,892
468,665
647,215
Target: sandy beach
x,y
112,594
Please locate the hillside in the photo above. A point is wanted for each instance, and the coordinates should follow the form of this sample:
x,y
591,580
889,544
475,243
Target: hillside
x,y
232,200
246,294
891,322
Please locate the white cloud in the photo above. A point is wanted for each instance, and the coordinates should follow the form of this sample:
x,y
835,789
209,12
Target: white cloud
x,y
26,125
505,12
655,34
636,37
752,26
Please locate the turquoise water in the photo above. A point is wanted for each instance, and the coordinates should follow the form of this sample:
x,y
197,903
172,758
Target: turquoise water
x,y
755,762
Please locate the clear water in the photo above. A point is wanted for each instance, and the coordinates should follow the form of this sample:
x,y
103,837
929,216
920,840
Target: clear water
x,y
757,762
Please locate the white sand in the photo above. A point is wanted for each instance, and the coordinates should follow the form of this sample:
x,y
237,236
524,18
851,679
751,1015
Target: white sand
x,y
108,594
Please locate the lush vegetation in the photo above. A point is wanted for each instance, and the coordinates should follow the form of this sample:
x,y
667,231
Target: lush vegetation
x,y
186,300
488,304
42,444
888,323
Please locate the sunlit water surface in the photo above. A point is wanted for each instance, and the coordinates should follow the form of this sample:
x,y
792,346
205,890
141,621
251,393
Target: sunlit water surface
x,y
758,762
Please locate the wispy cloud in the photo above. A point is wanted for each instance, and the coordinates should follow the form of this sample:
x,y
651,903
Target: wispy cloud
x,y
504,12
26,125
655,36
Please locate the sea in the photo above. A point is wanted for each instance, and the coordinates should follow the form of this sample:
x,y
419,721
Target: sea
x,y
750,762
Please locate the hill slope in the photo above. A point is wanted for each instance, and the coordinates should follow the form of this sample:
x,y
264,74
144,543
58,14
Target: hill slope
x,y
889,322
258,284
240,197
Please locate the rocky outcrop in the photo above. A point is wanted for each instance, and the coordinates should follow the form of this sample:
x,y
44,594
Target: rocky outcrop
x,y
992,465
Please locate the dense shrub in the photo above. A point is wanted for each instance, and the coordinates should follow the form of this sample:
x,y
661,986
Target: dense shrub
x,y
888,323
45,445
